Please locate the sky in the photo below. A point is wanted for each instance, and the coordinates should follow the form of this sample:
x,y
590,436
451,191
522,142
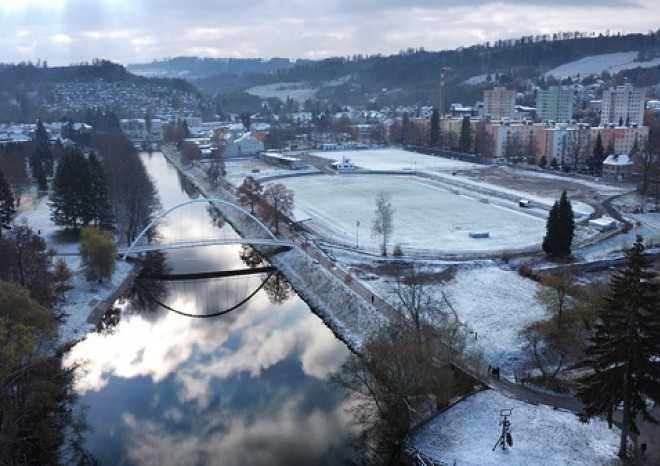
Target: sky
x,y
137,31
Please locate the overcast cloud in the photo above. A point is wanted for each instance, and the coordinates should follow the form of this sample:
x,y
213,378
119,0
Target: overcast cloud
x,y
132,31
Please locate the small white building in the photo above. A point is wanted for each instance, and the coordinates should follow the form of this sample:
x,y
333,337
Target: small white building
x,y
617,167
344,165
603,224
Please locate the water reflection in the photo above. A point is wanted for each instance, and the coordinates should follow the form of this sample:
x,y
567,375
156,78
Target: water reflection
x,y
204,290
249,387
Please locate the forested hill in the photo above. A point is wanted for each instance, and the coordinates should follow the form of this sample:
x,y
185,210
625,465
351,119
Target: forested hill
x,y
413,75
26,74
195,68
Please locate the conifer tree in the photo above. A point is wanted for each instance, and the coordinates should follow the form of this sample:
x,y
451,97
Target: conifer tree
x,y
7,206
38,172
99,199
71,191
598,154
560,228
434,136
624,351
465,138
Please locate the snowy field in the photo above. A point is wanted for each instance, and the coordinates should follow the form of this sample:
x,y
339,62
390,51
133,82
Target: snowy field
x,y
596,64
467,432
496,304
82,299
239,169
283,91
395,159
426,217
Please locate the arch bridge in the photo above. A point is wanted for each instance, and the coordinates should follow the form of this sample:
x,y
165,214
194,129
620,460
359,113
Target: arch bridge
x,y
268,239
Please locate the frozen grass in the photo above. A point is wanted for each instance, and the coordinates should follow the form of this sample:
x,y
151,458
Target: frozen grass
x,y
426,217
467,432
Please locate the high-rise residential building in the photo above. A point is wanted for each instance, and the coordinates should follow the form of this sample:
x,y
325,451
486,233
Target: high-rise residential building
x,y
499,103
555,104
623,105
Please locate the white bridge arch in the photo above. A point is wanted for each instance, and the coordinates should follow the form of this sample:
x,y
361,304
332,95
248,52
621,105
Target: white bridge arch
x,y
271,241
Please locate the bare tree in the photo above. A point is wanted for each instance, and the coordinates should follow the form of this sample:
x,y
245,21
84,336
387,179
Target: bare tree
x,y
555,293
383,224
646,160
416,289
249,192
278,202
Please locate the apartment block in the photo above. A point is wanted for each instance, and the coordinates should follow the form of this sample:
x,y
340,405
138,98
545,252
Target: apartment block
x,y
555,104
623,106
499,103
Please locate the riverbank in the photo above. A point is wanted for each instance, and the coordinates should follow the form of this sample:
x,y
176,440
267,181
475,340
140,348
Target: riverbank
x,y
81,308
347,314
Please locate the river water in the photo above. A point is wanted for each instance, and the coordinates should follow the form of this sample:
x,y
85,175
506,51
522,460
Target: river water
x,y
246,388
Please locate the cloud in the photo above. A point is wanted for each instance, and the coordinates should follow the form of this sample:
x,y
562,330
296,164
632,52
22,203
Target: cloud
x,y
137,31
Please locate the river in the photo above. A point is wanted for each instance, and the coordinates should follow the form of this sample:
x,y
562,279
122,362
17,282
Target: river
x,y
246,388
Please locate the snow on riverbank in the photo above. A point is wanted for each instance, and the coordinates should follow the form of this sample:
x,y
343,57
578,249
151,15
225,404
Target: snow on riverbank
x,y
84,304
467,432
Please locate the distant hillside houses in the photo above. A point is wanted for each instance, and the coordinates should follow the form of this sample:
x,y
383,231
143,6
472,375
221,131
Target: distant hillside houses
x,y
25,132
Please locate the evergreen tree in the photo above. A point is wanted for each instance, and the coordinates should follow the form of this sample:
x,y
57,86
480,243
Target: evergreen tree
x,y
465,138
38,172
598,154
625,347
434,136
560,228
41,135
7,206
100,211
71,191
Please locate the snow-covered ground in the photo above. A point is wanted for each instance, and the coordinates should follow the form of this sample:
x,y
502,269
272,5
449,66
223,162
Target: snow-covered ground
x,y
596,64
79,302
426,217
296,91
239,169
284,91
467,432
395,159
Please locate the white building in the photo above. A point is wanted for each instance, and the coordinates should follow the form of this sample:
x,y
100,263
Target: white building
x,y
344,165
245,146
499,103
555,104
623,105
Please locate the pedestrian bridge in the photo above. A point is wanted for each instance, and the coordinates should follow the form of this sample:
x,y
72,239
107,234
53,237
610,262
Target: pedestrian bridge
x,y
185,226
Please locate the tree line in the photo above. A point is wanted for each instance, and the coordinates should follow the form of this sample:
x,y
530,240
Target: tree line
x,y
95,192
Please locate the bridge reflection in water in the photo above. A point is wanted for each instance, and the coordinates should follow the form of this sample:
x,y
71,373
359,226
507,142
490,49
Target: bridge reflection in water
x,y
209,293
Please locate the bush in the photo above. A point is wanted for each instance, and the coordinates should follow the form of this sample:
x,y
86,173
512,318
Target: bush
x,y
397,252
527,271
